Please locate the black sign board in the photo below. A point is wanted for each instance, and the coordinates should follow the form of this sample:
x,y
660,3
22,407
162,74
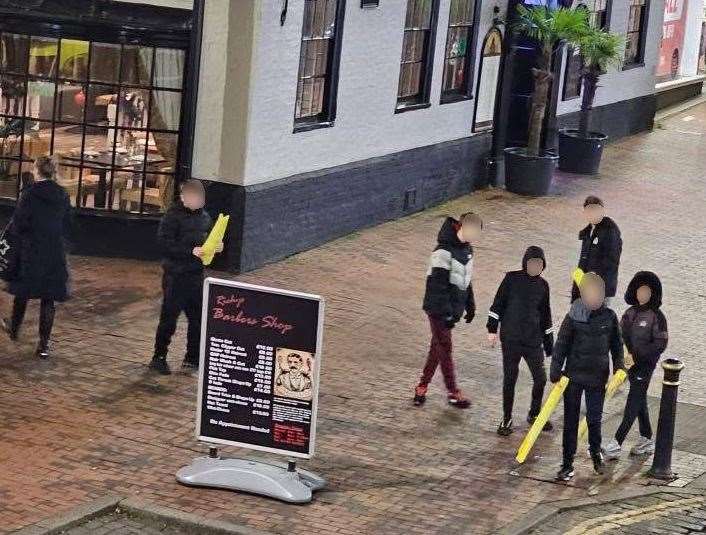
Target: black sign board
x,y
260,362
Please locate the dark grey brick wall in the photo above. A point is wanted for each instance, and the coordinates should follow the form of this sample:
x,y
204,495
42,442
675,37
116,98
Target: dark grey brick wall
x,y
619,119
297,213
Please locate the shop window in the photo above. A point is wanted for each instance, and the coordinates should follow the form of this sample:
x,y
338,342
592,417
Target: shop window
x,y
598,13
636,33
318,63
458,60
109,113
417,54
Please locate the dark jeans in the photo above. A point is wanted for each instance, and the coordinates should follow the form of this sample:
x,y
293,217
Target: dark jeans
x,y
572,412
182,293
46,317
534,357
439,353
636,407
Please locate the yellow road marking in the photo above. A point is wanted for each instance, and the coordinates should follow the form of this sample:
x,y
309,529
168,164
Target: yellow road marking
x,y
614,521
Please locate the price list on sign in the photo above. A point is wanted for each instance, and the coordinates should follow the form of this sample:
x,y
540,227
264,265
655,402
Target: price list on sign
x,y
260,365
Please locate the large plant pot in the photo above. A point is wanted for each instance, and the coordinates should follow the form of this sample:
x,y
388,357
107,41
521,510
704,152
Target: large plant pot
x,y
578,154
528,175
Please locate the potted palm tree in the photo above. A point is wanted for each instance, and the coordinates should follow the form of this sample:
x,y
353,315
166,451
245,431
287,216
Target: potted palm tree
x,y
529,170
580,149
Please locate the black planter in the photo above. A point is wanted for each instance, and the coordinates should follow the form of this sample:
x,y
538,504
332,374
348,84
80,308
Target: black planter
x,y
581,155
528,175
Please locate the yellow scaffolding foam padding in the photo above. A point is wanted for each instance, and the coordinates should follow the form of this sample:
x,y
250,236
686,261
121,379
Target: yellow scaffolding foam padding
x,y
214,238
611,388
542,418
577,275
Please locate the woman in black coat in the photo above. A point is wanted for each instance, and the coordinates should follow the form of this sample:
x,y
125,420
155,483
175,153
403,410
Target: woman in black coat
x,y
39,224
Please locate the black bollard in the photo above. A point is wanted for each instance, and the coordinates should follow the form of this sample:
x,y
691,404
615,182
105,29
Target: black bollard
x,y
662,461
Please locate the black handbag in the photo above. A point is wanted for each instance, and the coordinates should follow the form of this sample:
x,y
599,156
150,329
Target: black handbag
x,y
9,253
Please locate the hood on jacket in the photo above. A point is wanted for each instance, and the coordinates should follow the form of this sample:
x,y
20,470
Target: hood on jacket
x,y
606,222
449,232
533,252
579,311
48,191
645,278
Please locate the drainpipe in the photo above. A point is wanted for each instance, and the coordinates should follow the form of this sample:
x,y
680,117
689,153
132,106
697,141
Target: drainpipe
x,y
191,95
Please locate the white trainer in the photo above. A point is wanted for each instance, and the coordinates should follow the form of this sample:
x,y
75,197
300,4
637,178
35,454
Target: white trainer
x,y
612,450
644,446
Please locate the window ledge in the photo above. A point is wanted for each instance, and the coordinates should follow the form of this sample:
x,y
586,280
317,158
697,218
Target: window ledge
x,y
409,107
450,99
631,66
569,99
305,127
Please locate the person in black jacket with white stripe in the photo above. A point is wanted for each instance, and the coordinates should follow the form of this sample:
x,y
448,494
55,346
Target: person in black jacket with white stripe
x,y
448,295
522,311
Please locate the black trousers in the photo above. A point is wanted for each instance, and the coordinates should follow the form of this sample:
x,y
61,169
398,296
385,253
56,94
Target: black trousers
x,y
595,395
182,293
534,357
46,317
636,407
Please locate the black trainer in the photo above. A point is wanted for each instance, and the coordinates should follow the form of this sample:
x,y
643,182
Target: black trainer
x,y
5,325
566,473
505,428
42,351
159,364
598,463
189,364
547,426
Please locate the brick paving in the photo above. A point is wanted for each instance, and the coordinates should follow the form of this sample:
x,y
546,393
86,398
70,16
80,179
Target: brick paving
x,y
119,523
91,421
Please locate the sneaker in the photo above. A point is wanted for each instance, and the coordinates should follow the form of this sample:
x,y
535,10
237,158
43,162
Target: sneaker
x,y
566,473
189,365
612,450
598,464
5,326
505,428
548,426
420,395
458,400
42,351
644,446
159,364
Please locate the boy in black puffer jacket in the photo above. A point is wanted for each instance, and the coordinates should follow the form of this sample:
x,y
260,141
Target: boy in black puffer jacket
x,y
448,295
587,335
182,231
521,308
645,334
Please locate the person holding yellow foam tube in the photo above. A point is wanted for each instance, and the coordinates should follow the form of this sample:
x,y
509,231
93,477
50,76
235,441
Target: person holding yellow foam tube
x,y
645,332
588,337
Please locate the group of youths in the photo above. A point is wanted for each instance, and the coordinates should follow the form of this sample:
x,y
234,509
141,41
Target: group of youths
x,y
590,335
589,340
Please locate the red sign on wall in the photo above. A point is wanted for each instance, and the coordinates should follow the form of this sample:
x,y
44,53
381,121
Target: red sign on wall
x,y
672,39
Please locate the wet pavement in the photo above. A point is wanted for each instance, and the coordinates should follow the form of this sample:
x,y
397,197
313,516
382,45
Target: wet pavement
x,y
93,421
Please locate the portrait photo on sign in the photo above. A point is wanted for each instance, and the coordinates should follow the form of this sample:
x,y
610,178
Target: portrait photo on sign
x,y
294,374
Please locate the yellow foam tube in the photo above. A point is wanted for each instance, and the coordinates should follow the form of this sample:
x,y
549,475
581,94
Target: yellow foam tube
x,y
542,418
214,238
577,275
611,388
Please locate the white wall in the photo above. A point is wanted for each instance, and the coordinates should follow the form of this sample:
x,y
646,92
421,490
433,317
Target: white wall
x,y
366,125
617,84
254,143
